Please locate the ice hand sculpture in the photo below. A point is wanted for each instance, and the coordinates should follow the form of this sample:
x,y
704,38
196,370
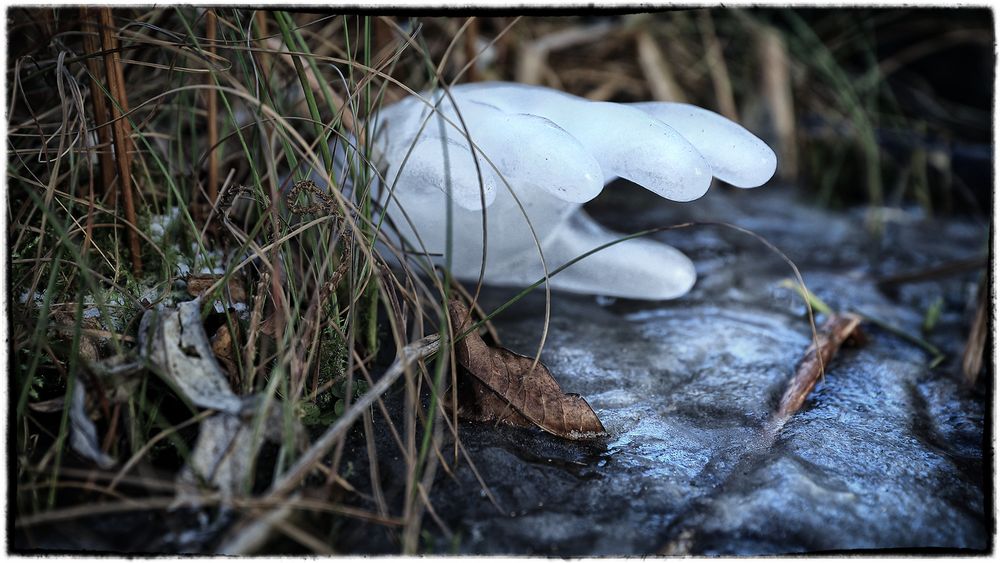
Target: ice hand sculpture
x,y
541,154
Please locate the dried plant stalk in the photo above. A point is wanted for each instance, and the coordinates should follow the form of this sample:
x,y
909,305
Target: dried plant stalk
x,y
211,22
662,84
120,128
533,59
472,48
717,67
92,46
295,475
832,335
940,271
975,347
776,91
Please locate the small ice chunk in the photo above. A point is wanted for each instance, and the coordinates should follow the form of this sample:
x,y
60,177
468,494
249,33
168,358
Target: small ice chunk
x,y
160,224
37,298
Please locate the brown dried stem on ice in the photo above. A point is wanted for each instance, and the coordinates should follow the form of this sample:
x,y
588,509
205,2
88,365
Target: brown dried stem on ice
x,y
834,332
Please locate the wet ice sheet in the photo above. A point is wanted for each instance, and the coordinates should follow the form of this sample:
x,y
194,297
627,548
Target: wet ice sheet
x,y
885,453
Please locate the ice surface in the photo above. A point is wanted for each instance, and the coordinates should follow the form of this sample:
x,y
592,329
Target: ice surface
x,y
525,158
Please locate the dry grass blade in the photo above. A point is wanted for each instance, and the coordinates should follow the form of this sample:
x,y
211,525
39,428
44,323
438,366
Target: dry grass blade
x,y
662,83
776,92
211,22
838,329
975,346
92,46
92,509
120,128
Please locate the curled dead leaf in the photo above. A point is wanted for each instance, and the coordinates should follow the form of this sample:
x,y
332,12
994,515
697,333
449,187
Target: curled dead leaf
x,y
222,347
502,387
198,284
89,347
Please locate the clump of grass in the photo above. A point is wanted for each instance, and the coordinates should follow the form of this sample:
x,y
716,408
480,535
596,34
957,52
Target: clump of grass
x,y
216,120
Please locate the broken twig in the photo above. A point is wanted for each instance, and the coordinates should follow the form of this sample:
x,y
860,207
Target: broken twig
x,y
838,329
298,472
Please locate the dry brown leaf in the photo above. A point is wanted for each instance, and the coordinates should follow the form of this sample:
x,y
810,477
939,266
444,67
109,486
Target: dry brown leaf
x,y
975,346
835,331
197,284
89,345
270,325
502,388
222,347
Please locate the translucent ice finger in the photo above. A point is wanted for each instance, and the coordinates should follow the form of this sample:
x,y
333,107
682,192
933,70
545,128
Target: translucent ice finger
x,y
625,141
635,269
446,166
533,151
527,150
735,155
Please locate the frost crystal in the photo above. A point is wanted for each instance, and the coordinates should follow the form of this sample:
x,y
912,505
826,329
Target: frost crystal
x,y
539,155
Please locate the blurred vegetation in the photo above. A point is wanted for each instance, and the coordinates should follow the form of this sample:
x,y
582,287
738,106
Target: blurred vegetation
x,y
880,106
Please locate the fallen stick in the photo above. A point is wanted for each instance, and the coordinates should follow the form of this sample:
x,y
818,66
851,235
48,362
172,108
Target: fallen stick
x,y
937,272
256,530
834,332
298,472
